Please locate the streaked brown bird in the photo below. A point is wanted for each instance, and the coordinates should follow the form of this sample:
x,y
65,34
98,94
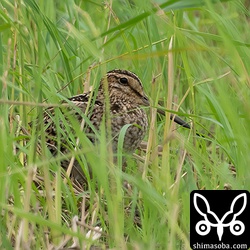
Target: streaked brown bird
x,y
126,101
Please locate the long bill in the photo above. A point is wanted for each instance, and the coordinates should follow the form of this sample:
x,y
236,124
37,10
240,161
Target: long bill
x,y
176,119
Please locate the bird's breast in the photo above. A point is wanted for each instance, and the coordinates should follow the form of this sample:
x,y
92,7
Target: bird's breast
x,y
135,133
121,115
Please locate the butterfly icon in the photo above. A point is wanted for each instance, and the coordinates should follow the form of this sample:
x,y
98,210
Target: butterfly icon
x,y
203,227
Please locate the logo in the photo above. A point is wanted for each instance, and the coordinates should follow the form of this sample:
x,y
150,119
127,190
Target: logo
x,y
203,227
219,218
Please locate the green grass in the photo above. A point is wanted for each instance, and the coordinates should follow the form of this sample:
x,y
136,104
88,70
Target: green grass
x,y
50,50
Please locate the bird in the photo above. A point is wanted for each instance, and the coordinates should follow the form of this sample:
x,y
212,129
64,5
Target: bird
x,y
127,101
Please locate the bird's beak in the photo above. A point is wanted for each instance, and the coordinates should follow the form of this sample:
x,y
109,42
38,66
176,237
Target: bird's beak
x,y
176,119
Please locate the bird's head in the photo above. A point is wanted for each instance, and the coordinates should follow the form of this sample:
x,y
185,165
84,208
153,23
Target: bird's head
x,y
126,86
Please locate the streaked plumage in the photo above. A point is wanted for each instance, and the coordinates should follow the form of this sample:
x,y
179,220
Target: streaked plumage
x,y
126,100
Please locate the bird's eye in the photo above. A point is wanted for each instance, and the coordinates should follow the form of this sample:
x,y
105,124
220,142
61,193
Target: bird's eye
x,y
123,80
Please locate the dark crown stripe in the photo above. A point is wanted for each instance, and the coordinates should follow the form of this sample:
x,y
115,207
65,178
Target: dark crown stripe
x,y
125,72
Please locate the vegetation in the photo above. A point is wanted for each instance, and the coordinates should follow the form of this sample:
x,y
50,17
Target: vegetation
x,y
192,56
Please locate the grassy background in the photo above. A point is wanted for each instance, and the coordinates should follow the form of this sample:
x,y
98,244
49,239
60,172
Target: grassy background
x,y
50,50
